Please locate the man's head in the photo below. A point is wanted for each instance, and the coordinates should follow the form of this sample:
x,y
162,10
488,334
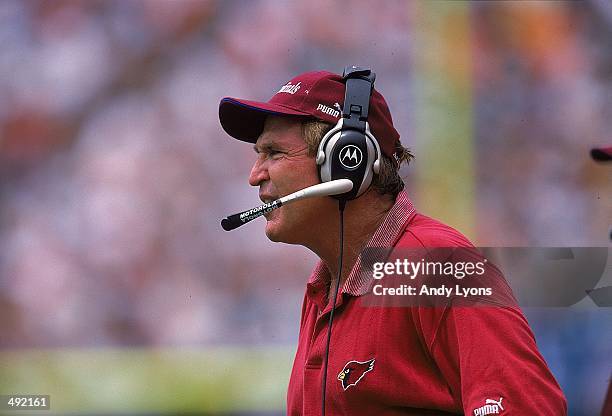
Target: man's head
x,y
287,130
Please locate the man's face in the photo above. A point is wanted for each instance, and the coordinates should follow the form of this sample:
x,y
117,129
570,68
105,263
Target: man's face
x,y
282,167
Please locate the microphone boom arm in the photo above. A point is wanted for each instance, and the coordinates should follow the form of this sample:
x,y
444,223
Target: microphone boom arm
x,y
336,187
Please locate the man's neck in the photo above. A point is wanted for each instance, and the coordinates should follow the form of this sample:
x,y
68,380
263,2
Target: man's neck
x,y
362,217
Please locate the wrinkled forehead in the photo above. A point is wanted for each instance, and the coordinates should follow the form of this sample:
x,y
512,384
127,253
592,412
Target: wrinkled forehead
x,y
281,131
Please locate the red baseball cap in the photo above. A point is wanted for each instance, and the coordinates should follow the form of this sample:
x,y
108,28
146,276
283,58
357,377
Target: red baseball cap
x,y
603,154
318,95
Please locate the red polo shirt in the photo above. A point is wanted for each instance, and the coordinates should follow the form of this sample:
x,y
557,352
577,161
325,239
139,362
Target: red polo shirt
x,y
416,360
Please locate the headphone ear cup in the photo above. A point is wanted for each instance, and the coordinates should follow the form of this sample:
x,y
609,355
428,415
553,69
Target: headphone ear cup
x,y
348,154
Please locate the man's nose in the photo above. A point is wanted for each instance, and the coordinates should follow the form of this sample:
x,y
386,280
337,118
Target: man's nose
x,y
259,173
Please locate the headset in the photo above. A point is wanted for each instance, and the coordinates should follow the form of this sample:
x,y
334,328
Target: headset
x,y
349,150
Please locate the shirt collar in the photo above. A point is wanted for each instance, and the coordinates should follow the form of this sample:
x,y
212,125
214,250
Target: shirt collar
x,y
386,234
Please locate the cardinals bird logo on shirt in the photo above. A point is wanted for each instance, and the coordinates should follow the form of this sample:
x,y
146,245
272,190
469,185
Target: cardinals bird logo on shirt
x,y
354,371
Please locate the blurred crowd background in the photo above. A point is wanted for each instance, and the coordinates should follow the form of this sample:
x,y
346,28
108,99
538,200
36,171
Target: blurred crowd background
x,y
115,172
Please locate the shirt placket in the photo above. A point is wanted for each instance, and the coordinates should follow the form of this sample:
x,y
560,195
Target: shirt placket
x,y
313,368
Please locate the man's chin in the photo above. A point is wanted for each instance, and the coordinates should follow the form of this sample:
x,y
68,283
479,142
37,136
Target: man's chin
x,y
277,233
273,232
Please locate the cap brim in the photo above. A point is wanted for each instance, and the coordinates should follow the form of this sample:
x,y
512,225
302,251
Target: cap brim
x,y
244,119
603,154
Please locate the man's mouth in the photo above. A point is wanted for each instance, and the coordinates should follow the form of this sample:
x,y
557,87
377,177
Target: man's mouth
x,y
266,199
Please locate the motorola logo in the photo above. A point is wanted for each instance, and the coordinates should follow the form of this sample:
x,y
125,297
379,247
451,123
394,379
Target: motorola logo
x,y
351,156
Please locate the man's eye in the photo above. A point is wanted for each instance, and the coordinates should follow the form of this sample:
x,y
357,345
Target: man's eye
x,y
274,154
269,153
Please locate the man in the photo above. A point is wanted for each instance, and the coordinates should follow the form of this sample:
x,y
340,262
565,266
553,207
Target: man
x,y
382,360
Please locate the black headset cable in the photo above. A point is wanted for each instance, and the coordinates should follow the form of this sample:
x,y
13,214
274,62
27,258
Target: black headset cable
x,y
341,205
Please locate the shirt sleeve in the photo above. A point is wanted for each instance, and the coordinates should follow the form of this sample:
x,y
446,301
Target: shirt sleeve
x,y
490,359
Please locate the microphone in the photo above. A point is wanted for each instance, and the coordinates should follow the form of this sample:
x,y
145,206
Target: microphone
x,y
339,186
